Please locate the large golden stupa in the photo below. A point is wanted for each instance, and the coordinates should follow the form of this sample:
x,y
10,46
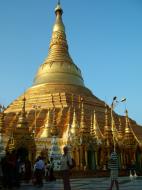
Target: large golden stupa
x,y
58,104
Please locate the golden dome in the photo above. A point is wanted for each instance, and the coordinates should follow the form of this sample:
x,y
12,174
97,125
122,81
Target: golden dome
x,y
58,68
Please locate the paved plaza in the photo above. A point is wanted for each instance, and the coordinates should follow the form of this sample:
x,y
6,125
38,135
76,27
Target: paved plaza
x,y
89,184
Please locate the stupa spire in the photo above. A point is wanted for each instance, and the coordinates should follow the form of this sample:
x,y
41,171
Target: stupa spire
x,y
96,129
107,126
84,129
120,130
82,122
47,127
24,105
22,121
127,128
58,67
74,126
58,40
129,138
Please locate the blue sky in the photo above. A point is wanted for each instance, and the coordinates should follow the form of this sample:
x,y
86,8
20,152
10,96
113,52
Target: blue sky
x,y
104,37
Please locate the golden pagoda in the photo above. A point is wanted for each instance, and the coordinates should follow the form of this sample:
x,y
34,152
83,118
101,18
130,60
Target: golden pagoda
x,y
58,103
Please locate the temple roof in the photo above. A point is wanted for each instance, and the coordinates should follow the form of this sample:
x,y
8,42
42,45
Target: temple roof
x,y
58,67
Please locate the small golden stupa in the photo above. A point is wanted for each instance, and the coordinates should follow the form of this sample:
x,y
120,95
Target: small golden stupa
x,y
58,104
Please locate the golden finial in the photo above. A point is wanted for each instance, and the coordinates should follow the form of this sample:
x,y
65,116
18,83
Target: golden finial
x,y
22,121
127,128
126,112
47,127
58,8
58,26
24,104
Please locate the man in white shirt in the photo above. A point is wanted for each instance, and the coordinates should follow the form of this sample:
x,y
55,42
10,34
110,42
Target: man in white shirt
x,y
39,168
66,162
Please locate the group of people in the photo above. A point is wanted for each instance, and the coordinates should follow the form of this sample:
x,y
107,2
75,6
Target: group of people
x,y
42,169
13,169
66,162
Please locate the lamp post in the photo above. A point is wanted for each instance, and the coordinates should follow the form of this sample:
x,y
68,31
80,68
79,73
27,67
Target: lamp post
x,y
36,107
113,104
112,121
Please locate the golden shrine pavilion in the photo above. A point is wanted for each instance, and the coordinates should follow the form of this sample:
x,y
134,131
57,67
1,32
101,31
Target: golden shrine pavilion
x,y
58,104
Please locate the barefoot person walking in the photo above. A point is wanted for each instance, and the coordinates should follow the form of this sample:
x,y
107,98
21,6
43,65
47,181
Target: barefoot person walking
x,y
65,170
